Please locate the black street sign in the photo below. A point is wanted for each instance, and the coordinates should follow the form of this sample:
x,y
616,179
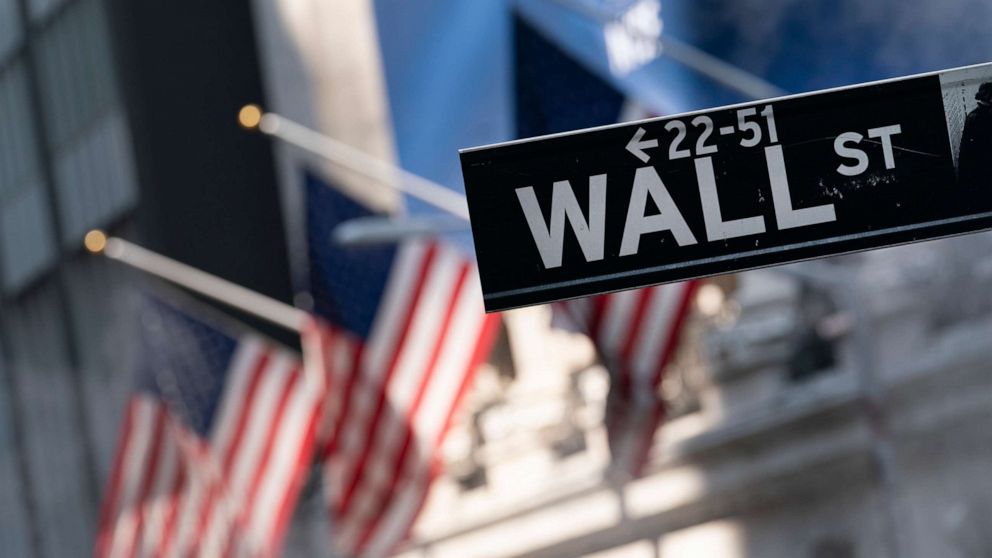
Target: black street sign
x,y
733,188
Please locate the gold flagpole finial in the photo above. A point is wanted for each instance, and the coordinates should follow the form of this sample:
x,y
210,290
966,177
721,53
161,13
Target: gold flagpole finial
x,y
95,241
250,116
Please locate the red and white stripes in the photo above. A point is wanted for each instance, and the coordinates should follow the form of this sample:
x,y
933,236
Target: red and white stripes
x,y
390,400
636,332
173,493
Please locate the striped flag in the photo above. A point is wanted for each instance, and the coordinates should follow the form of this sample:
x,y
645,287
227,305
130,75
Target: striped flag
x,y
402,332
635,332
215,443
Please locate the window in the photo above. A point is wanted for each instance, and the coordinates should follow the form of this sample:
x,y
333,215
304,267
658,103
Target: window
x,y
40,9
832,547
26,239
14,533
75,68
10,29
40,363
812,349
87,133
100,317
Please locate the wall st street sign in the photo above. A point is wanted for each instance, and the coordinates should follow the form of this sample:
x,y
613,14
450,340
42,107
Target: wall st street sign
x,y
733,188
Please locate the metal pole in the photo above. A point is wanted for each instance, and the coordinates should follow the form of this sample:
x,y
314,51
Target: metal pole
x,y
388,174
369,231
720,71
211,286
729,75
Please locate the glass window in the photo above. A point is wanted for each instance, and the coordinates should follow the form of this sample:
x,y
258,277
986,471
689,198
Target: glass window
x,y
91,146
26,239
13,518
40,9
10,28
55,447
75,66
26,242
18,156
94,178
101,309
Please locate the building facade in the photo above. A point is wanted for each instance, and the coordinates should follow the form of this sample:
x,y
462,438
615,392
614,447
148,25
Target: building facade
x,y
878,447
830,410
117,116
67,165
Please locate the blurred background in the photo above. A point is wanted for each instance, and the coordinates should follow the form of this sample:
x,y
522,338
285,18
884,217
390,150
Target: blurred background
x,y
833,409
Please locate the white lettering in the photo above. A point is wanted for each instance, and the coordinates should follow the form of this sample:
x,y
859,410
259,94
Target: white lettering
x,y
550,239
850,153
647,182
716,227
785,214
886,133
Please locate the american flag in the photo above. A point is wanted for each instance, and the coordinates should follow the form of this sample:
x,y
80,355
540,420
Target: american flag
x,y
402,332
635,332
215,443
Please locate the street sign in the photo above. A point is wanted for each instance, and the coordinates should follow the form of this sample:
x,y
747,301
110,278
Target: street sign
x,y
733,188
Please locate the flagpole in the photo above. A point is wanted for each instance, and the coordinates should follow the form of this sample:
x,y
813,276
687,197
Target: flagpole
x,y
717,69
390,175
211,286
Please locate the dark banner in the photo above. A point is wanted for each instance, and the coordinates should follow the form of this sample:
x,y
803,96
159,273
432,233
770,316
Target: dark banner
x,y
731,189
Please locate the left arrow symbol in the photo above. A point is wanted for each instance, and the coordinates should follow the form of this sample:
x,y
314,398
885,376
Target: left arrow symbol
x,y
636,146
